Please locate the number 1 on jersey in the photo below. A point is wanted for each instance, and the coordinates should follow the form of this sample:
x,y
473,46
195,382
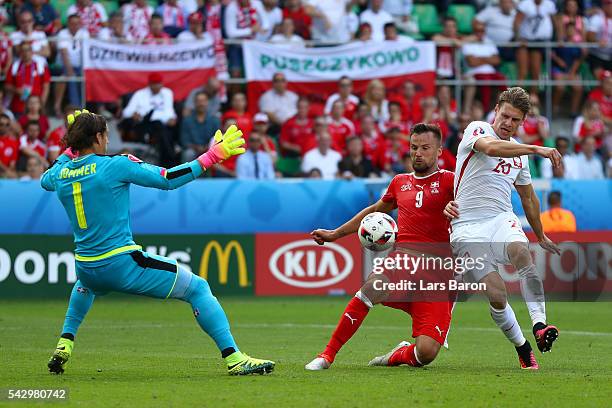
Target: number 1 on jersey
x,y
419,199
78,205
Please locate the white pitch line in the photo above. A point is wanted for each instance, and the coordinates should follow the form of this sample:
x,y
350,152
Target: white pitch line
x,y
330,326
98,326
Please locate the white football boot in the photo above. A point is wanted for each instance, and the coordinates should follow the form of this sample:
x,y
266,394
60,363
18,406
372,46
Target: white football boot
x,y
319,363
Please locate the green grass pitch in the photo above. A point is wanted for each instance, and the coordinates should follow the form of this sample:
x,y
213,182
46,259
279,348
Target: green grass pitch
x,y
139,352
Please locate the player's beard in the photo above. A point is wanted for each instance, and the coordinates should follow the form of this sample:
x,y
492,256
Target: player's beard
x,y
422,167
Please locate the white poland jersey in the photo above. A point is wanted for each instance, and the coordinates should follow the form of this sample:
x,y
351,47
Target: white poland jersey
x,y
483,184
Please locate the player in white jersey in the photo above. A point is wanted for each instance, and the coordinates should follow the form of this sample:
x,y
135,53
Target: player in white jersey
x,y
489,162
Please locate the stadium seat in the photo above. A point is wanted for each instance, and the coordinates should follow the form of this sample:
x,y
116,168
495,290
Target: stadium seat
x,y
509,70
427,18
534,167
61,7
464,14
288,166
110,6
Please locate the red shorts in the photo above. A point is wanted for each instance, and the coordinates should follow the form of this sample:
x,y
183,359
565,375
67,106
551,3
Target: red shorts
x,y
430,319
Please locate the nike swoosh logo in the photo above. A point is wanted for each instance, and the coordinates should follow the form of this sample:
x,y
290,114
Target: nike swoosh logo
x,y
235,365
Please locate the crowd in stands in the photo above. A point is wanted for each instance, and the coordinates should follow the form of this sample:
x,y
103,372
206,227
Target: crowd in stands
x,y
352,135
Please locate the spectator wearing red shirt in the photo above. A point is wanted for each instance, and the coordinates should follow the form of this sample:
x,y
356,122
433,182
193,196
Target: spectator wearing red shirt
x,y
260,127
390,152
370,136
33,111
535,128
344,94
31,146
238,111
157,35
302,21
588,124
411,106
297,134
339,127
363,110
55,140
603,96
29,75
396,121
9,149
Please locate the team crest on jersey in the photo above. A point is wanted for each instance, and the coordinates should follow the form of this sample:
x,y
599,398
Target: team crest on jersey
x,y
434,187
407,186
478,130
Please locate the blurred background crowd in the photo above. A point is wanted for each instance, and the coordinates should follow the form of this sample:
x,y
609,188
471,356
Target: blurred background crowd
x,y
484,44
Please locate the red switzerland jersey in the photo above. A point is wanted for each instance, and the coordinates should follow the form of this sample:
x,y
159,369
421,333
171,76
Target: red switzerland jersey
x,y
421,201
9,150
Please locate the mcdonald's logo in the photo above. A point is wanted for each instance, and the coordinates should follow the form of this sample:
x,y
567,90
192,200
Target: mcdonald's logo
x,y
223,259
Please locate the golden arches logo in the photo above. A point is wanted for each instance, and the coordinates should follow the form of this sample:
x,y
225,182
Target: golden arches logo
x,y
223,259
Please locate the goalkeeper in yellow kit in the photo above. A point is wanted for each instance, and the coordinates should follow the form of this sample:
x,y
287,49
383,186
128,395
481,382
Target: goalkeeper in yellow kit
x,y
94,190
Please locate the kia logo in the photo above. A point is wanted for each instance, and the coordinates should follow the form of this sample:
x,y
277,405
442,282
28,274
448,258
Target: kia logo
x,y
305,264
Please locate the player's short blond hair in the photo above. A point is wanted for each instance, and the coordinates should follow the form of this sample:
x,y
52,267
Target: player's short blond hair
x,y
517,97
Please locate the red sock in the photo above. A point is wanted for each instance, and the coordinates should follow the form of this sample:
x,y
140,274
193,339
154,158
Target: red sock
x,y
351,319
405,355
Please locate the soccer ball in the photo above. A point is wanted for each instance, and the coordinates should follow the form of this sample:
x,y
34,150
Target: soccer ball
x,y
377,231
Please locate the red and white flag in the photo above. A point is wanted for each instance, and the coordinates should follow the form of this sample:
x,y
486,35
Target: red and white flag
x,y
314,72
112,70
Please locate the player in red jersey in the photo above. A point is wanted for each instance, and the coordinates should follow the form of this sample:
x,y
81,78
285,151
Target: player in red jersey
x,y
420,197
